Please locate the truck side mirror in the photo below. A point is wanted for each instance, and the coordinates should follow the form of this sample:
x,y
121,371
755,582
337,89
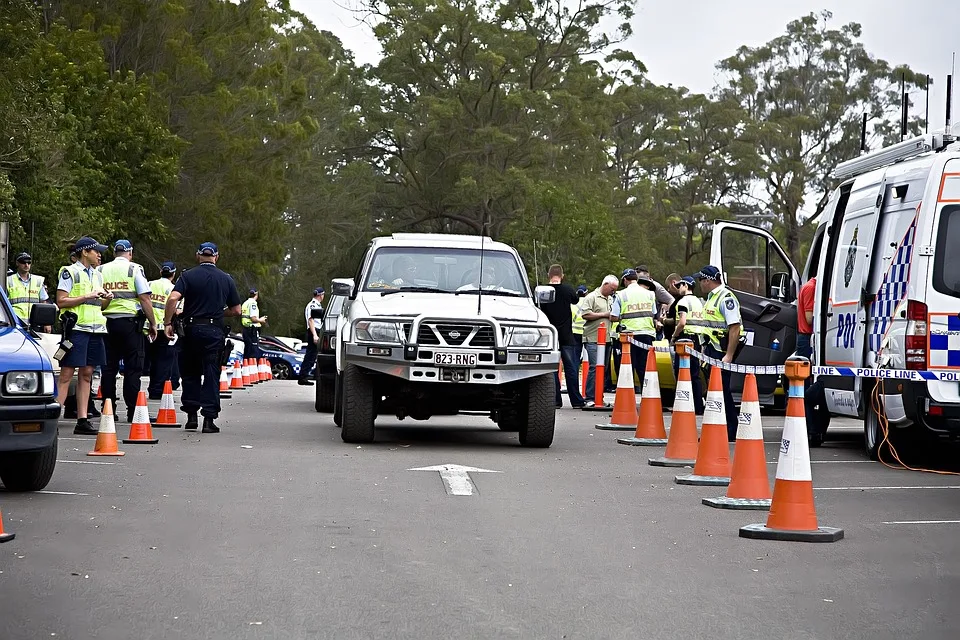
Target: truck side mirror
x,y
342,287
43,315
545,294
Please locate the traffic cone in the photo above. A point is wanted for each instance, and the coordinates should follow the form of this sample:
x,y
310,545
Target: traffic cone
x,y
245,373
563,384
624,416
167,415
793,516
269,369
713,456
683,441
263,369
224,384
749,485
5,537
650,431
584,369
600,368
236,382
256,371
140,431
106,444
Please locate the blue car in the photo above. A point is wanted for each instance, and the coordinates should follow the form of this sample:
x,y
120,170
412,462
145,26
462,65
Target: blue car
x,y
28,404
285,363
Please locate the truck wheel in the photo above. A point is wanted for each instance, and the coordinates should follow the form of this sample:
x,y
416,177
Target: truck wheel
x,y
337,400
357,400
324,401
541,412
509,419
28,471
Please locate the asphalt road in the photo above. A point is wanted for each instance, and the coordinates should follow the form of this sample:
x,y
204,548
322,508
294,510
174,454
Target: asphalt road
x,y
274,528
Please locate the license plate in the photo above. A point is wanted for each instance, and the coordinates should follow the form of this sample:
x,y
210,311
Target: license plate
x,y
447,359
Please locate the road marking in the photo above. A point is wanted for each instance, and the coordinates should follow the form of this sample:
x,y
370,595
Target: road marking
x,y
81,439
940,486
85,462
456,478
831,462
63,493
923,522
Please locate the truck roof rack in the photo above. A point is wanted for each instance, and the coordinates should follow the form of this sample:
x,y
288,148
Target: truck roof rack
x,y
891,155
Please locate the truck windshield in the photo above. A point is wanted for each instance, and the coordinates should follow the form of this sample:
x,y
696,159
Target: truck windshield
x,y
946,264
445,270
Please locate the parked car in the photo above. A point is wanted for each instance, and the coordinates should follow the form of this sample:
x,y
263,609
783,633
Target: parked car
x,y
326,371
28,405
285,363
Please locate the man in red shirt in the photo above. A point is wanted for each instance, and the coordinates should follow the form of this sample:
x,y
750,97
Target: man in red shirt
x,y
805,318
818,416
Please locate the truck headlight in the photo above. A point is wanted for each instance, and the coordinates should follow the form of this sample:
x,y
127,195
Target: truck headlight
x,y
370,331
22,383
529,337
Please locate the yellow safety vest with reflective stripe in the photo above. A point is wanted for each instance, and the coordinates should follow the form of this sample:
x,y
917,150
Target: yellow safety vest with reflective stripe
x,y
24,296
159,292
694,325
713,322
637,309
90,317
578,321
249,309
118,278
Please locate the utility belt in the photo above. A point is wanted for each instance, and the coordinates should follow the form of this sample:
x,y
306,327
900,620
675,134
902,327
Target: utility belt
x,y
724,341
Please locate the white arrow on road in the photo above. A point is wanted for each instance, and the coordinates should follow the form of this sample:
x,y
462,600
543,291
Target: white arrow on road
x,y
456,477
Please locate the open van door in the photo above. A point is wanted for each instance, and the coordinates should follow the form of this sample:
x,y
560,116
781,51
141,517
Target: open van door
x,y
757,269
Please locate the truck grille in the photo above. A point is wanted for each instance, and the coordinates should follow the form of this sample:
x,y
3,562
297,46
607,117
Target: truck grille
x,y
456,335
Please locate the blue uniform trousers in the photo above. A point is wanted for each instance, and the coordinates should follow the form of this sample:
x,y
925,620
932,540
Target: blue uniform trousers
x,y
200,367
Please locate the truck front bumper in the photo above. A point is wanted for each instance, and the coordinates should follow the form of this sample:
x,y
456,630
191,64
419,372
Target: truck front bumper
x,y
28,427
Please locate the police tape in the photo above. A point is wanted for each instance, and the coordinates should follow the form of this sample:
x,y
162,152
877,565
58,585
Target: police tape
x,y
848,372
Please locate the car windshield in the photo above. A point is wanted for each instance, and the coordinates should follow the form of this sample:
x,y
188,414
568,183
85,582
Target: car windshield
x,y
445,270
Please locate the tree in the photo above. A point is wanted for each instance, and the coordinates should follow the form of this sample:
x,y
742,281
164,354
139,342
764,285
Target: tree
x,y
805,93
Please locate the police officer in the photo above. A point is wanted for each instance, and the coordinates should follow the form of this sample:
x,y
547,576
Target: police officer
x,y
70,403
209,294
634,310
314,329
25,289
689,325
81,292
578,321
163,354
721,317
251,320
125,315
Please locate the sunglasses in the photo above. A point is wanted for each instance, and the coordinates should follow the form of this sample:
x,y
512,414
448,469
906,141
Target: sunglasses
x,y
25,262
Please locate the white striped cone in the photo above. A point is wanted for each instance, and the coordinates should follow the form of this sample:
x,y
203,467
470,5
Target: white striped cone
x,y
584,369
141,414
649,430
624,417
682,396
713,410
166,402
263,371
245,369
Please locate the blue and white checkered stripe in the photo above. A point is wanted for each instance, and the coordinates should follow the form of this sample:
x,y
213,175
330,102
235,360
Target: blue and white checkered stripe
x,y
893,289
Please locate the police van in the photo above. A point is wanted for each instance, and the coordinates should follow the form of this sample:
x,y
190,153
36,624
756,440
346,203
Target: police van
x,y
886,255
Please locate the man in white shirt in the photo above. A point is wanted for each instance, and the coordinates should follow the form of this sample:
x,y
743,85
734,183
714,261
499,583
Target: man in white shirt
x,y
314,329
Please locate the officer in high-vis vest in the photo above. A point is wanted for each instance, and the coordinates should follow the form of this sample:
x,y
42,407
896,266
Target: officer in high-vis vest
x,y
163,354
634,311
689,325
25,289
80,291
251,320
724,332
126,314
578,321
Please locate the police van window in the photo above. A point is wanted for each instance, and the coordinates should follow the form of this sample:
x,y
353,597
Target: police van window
x,y
744,257
946,263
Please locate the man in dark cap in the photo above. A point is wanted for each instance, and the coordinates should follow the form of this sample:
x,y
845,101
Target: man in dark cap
x,y
314,330
25,289
162,351
722,338
209,294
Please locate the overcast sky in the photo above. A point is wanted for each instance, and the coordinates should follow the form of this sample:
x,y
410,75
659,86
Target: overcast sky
x,y
681,41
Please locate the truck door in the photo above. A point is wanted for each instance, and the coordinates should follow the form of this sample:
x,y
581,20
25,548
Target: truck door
x,y
766,283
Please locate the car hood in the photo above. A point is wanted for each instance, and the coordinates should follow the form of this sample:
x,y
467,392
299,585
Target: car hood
x,y
18,351
457,306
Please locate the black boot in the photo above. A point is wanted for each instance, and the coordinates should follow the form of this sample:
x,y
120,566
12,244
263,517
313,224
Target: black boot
x,y
209,426
84,428
192,422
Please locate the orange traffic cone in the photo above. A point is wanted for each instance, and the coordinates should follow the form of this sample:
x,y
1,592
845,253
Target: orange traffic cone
x,y
650,431
624,416
793,516
224,384
140,431
236,382
749,485
584,369
268,368
5,537
106,444
599,368
167,415
683,441
245,373
255,371
713,455
263,369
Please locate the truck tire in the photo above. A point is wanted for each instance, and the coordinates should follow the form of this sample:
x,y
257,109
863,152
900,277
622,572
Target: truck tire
x,y
324,400
510,419
28,471
337,400
541,412
358,403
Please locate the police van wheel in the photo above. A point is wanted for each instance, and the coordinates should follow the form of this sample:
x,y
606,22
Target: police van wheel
x,y
28,471
337,400
541,412
359,411
324,401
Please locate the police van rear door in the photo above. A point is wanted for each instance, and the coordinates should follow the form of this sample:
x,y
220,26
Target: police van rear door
x,y
757,269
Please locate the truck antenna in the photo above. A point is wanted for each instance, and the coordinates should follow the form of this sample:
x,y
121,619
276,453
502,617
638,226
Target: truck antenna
x,y
949,102
903,106
926,115
863,133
